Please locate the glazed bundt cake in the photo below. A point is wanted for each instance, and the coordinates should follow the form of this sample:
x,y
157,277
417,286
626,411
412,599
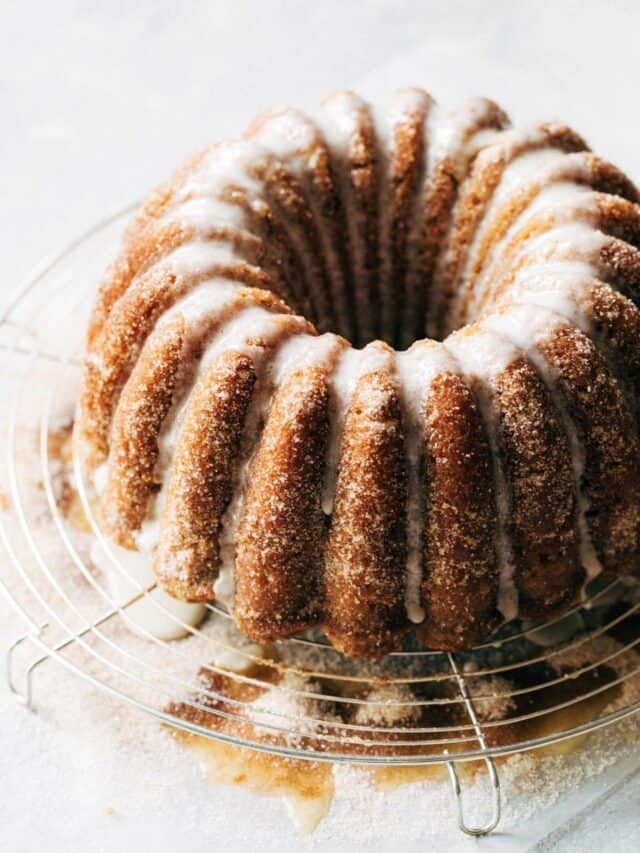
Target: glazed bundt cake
x,y
264,416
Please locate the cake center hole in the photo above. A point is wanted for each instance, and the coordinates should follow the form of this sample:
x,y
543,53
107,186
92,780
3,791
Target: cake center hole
x,y
370,309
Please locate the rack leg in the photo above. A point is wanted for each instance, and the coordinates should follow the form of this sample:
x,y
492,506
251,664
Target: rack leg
x,y
24,696
476,831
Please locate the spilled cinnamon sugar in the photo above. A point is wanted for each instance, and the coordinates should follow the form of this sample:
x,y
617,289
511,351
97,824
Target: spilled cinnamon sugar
x,y
60,450
308,786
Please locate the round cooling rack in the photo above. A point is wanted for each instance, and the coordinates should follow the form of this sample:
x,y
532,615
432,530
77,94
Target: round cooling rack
x,y
529,687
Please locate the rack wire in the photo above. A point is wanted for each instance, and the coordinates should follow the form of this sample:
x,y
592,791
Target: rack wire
x,y
73,616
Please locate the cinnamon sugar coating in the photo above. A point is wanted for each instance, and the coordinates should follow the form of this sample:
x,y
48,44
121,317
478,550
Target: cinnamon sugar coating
x,y
366,547
141,410
187,560
281,536
460,584
543,510
476,193
610,439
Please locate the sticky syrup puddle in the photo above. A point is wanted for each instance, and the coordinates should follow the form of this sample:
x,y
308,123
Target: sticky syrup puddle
x,y
308,786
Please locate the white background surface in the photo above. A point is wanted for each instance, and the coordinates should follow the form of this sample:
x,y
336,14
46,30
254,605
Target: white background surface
x,y
98,101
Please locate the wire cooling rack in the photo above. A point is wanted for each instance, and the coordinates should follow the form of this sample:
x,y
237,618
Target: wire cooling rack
x,y
73,616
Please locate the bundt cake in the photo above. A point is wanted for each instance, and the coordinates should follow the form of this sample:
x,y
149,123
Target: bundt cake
x,y
374,371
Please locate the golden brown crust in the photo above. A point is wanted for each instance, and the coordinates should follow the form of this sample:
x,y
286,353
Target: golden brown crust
x,y
616,217
475,196
582,168
536,460
619,217
405,173
357,171
312,160
143,406
187,560
434,213
136,247
281,535
605,427
286,196
460,582
132,320
619,264
366,549
616,325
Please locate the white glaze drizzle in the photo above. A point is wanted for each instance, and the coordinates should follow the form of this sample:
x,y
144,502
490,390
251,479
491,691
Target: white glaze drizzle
x,y
351,365
528,326
288,135
296,142
559,286
338,121
199,256
417,368
483,356
251,323
558,200
227,164
272,367
386,116
450,140
568,241
156,613
535,166
201,213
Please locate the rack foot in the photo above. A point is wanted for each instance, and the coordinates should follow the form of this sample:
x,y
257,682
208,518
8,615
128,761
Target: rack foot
x,y
476,831
24,695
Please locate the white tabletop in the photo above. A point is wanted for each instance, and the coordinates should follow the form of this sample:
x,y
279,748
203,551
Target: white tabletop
x,y
98,102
